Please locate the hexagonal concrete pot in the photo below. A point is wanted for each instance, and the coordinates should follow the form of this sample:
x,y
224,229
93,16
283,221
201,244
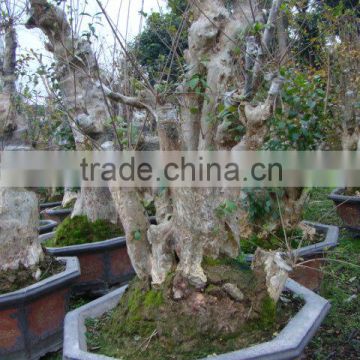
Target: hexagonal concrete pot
x,y
31,319
58,215
348,208
49,205
289,344
103,264
46,226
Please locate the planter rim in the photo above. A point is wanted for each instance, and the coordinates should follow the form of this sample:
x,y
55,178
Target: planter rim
x,y
46,225
72,271
49,205
44,222
117,242
289,344
51,211
331,240
338,196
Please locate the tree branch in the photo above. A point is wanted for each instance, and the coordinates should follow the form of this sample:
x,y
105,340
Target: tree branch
x,y
127,100
266,39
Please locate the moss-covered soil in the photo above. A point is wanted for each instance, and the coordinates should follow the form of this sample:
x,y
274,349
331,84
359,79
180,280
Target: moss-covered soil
x,y
79,230
149,324
13,280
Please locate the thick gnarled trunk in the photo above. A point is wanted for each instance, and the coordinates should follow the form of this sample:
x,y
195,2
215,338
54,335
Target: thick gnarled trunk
x,y
96,203
19,215
19,221
84,100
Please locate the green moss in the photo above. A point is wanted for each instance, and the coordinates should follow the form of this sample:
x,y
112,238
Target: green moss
x,y
153,298
134,300
79,230
208,261
267,313
211,288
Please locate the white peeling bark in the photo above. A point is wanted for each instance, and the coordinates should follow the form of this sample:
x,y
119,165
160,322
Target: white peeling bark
x,y
275,270
96,204
19,221
136,225
69,196
9,118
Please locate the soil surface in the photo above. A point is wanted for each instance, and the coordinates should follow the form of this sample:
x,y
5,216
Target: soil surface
x,y
150,324
13,280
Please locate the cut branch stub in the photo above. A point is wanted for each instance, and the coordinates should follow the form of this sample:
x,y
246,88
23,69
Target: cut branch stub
x,y
273,268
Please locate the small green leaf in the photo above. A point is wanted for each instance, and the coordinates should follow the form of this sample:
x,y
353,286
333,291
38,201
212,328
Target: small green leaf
x,y
193,83
230,206
137,235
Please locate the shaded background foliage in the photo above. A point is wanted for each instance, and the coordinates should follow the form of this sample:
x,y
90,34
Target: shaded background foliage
x,y
153,48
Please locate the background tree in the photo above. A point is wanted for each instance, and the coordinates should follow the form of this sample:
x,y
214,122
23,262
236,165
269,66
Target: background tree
x,y
159,48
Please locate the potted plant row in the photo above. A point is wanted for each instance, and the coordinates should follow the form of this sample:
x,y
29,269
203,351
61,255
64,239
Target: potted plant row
x,y
32,316
49,205
101,249
57,213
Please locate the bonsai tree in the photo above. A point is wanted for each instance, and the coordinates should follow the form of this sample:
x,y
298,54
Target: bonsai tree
x,y
83,101
189,228
19,216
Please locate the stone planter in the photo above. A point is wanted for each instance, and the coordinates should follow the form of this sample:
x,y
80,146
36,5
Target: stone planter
x,y
348,208
331,240
47,226
49,205
103,264
58,215
289,344
31,319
